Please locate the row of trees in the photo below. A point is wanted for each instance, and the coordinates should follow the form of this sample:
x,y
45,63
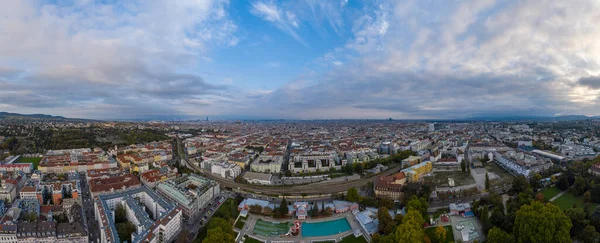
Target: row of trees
x,y
408,228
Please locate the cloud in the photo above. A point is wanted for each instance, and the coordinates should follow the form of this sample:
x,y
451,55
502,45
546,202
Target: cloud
x,y
285,21
592,82
109,59
457,59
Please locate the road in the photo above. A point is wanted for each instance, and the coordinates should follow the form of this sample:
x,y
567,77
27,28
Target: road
x,y
310,189
88,210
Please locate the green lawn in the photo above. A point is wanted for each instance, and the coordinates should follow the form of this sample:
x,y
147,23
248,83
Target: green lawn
x,y
430,232
251,240
550,192
440,178
228,210
352,239
240,223
34,160
568,199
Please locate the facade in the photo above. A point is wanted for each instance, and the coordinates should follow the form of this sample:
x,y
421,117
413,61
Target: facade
x,y
267,164
191,192
258,178
155,219
75,160
411,160
113,184
225,169
415,172
24,167
152,177
313,161
459,208
390,186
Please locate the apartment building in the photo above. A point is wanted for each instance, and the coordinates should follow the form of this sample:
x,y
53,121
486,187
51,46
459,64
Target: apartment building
x,y
191,192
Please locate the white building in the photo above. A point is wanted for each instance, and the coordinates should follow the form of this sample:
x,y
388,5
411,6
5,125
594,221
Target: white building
x,y
226,170
191,192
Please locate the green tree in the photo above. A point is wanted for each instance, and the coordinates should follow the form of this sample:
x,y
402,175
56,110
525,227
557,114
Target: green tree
x,y
463,166
225,226
352,195
125,230
419,204
578,219
590,235
497,218
496,235
487,181
283,208
386,223
580,186
440,233
541,223
587,197
120,214
520,184
217,235
411,229
562,183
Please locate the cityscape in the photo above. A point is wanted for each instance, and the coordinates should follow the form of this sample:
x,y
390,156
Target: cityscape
x,y
298,181
303,121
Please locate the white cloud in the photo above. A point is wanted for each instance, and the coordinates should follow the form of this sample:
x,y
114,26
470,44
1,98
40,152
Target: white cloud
x,y
286,22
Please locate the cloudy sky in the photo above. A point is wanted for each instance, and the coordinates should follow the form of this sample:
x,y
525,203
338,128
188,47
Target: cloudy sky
x,y
305,59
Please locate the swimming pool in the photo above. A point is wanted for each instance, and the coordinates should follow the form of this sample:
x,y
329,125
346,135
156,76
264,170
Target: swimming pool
x,y
325,228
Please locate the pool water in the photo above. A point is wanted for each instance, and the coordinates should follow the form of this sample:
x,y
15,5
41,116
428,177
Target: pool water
x,y
325,228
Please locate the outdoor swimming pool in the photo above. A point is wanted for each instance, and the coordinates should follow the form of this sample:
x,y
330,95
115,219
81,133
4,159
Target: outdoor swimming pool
x,y
325,228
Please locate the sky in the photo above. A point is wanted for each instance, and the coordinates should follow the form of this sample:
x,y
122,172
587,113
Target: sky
x,y
302,59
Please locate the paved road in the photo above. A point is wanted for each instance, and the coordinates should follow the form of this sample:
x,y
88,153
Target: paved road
x,y
310,189
88,210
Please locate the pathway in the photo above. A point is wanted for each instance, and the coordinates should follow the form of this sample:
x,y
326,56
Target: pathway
x,y
557,196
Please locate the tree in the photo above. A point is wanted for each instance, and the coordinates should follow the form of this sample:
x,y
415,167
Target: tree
x,y
359,168
419,204
487,181
440,234
587,197
496,235
120,214
352,195
595,194
497,218
225,226
385,202
578,219
580,186
520,184
590,235
257,209
539,222
125,230
463,166
535,180
562,183
386,223
485,219
217,235
540,197
411,229
283,208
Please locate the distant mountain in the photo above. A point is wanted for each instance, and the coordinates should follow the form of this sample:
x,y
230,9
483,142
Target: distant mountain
x,y
8,114
17,116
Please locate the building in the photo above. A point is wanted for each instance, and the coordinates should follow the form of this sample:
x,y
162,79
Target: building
x,y
75,160
411,160
267,164
113,184
459,208
415,172
224,169
24,167
314,160
431,127
152,177
258,178
155,219
390,186
191,192
595,169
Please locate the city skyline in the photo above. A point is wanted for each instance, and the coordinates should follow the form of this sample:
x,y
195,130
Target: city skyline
x,y
300,59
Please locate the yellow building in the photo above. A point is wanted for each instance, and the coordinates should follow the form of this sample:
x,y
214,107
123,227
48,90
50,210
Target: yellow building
x,y
414,172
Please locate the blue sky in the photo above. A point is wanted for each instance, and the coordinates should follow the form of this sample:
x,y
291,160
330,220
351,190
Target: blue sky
x,y
304,59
